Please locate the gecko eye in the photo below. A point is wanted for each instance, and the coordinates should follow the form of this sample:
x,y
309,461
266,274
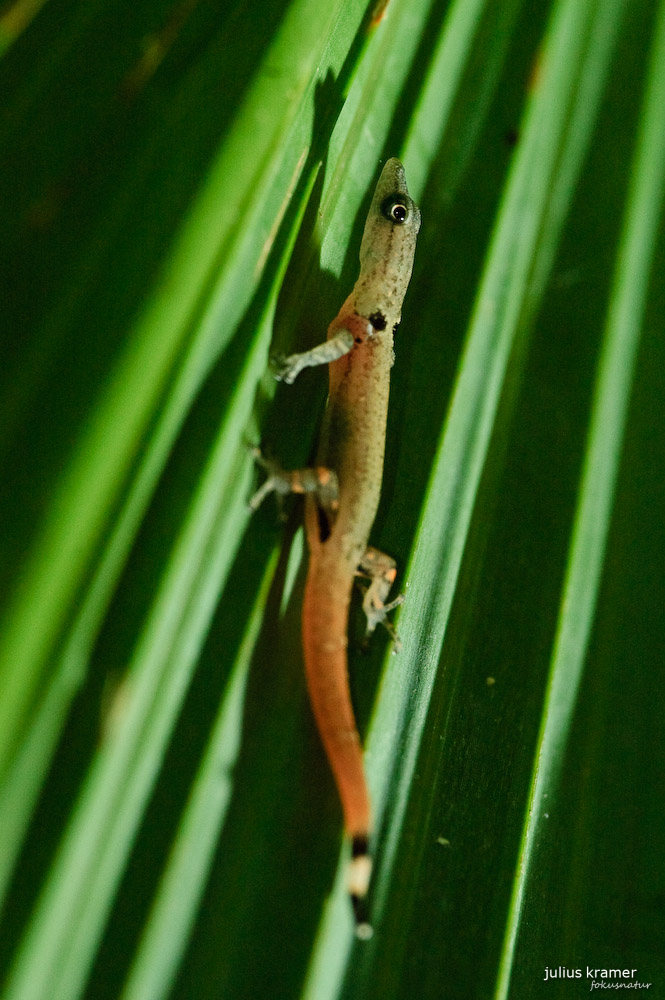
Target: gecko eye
x,y
395,208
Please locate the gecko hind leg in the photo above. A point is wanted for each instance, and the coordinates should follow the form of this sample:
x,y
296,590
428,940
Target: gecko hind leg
x,y
321,481
381,571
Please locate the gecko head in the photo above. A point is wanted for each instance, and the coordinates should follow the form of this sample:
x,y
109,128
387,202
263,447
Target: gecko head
x,y
388,246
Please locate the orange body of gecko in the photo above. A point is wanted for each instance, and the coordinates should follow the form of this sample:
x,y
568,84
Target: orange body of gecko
x,y
342,493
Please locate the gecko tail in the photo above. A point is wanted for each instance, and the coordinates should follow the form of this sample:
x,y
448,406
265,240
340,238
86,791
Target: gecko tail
x,y
360,870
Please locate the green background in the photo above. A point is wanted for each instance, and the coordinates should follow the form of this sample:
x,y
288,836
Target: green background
x,y
182,191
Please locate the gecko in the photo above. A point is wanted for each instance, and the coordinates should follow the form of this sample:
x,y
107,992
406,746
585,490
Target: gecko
x,y
342,495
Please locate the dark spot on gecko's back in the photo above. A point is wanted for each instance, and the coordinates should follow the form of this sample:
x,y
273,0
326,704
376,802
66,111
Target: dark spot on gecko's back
x,y
378,321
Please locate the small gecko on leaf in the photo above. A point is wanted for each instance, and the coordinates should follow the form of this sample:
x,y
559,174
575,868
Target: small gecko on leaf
x,y
342,495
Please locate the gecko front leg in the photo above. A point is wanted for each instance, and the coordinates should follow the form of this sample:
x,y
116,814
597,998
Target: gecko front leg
x,y
346,330
287,369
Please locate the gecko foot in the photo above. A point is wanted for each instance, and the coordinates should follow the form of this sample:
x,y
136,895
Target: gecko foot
x,y
286,369
378,615
278,482
381,571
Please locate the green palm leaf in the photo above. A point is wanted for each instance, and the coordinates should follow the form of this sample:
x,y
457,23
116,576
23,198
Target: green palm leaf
x,y
186,188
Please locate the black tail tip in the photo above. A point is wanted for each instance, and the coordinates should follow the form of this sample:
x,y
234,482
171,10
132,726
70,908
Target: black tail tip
x,y
360,870
364,929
